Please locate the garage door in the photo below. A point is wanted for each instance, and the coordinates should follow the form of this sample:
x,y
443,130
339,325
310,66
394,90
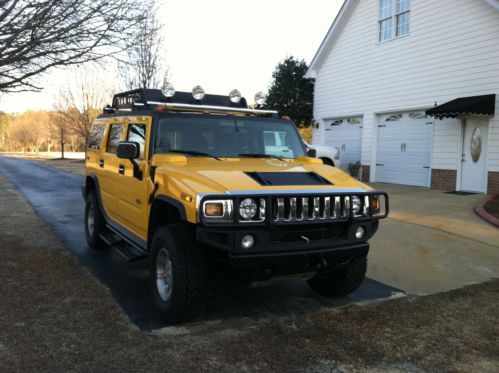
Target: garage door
x,y
404,149
346,135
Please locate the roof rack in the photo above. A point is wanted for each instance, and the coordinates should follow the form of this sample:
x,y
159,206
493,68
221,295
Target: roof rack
x,y
143,99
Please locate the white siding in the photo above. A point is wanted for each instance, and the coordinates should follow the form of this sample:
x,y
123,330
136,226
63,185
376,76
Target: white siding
x,y
452,51
446,144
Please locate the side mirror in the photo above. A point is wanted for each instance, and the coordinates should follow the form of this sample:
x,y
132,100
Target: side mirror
x,y
128,150
311,153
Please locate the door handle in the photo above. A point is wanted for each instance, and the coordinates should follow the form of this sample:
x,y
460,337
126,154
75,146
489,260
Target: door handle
x,y
121,169
101,163
401,147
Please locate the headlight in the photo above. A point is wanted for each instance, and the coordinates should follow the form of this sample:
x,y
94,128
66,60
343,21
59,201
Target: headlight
x,y
356,204
248,208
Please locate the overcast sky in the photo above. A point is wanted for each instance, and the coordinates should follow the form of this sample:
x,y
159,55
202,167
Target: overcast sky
x,y
222,45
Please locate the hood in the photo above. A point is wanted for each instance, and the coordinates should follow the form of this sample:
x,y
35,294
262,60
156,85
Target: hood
x,y
201,175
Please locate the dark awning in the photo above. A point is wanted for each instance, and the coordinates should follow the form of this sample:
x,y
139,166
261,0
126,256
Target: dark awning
x,y
473,105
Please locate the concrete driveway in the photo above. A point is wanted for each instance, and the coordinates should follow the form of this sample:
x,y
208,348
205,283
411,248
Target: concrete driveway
x,y
432,242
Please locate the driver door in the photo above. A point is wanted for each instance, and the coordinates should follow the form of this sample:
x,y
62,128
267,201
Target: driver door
x,y
132,199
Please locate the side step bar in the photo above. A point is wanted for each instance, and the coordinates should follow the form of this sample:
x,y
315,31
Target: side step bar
x,y
126,249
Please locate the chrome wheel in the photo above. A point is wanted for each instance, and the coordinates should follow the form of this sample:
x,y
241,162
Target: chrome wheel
x,y
91,219
164,274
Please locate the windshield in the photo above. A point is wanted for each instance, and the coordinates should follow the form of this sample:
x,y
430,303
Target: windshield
x,y
227,137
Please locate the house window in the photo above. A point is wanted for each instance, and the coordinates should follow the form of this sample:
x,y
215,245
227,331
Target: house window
x,y
393,18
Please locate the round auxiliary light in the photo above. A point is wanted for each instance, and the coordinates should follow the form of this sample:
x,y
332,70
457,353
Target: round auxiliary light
x,y
356,204
168,90
360,232
260,98
235,96
198,93
247,242
248,208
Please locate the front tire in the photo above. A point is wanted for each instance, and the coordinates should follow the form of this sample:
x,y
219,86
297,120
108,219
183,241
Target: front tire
x,y
94,223
342,282
177,274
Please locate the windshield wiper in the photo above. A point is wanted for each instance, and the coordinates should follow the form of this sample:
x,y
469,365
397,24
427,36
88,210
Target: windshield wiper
x,y
194,152
259,155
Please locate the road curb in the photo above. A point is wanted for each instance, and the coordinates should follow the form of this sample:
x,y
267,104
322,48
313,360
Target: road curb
x,y
480,211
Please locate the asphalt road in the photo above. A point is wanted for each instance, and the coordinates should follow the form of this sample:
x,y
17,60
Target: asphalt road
x,y
56,197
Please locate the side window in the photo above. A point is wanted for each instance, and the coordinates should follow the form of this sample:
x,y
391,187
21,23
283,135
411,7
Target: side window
x,y
114,138
137,133
95,138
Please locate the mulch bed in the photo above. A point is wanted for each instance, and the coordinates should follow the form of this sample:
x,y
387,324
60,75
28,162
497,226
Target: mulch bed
x,y
492,206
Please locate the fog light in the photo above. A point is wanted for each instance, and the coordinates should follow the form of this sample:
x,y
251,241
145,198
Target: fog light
x,y
247,242
360,232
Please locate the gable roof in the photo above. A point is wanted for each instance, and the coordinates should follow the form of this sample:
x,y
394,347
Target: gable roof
x,y
335,29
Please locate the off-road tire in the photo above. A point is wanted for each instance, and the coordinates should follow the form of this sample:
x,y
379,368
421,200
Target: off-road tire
x,y
341,282
189,273
92,235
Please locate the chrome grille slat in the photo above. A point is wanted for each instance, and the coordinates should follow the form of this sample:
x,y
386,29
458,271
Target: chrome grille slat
x,y
327,208
315,208
304,210
337,207
292,208
346,207
280,209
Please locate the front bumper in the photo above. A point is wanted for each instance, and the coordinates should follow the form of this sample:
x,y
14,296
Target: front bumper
x,y
270,240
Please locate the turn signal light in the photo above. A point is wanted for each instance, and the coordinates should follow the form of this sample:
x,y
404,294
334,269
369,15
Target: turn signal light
x,y
213,209
374,205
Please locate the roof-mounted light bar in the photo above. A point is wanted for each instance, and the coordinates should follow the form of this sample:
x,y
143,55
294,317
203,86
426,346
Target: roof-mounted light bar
x,y
210,108
195,101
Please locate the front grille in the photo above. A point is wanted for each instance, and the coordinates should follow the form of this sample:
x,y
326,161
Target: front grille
x,y
311,208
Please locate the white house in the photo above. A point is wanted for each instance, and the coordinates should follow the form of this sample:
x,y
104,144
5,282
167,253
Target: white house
x,y
384,63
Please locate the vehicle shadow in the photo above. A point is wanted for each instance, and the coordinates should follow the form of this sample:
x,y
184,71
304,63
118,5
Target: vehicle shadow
x,y
230,302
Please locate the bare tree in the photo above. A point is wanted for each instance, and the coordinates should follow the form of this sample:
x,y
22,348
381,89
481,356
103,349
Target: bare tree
x,y
4,124
83,99
36,35
144,65
59,130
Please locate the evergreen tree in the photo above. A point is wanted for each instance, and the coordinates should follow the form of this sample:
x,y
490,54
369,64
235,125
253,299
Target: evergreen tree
x,y
290,93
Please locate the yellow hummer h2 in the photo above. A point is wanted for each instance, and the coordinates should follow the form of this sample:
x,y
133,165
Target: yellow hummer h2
x,y
197,184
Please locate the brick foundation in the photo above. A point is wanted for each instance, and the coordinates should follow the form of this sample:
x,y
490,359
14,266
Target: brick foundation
x,y
365,173
443,179
493,183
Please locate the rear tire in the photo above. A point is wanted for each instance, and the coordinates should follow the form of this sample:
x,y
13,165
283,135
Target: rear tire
x,y
177,273
94,223
341,282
